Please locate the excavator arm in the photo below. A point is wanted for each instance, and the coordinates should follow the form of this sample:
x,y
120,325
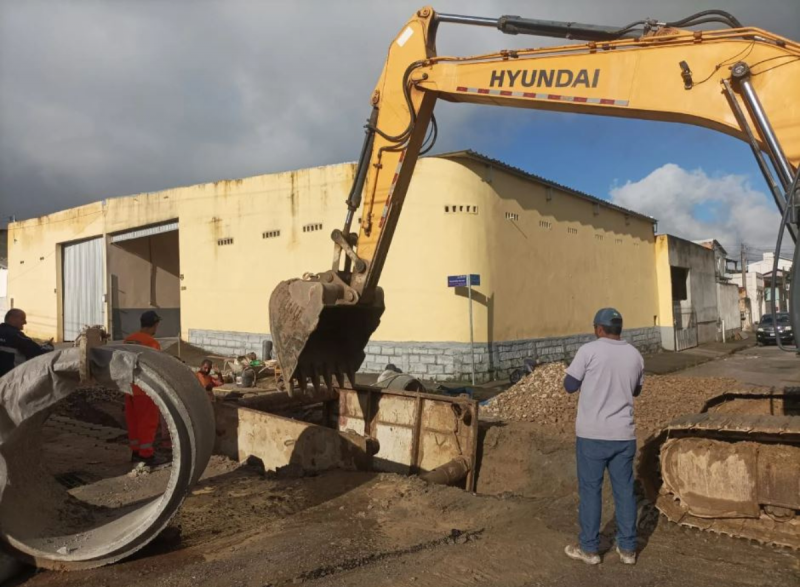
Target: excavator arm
x,y
744,82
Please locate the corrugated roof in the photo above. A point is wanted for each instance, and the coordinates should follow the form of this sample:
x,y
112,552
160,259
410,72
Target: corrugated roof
x,y
475,156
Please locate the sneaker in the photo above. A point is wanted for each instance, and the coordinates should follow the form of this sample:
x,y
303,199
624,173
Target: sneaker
x,y
626,556
577,553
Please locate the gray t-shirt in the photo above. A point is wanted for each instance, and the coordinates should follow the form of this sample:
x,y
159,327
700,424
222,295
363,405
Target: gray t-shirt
x,y
610,370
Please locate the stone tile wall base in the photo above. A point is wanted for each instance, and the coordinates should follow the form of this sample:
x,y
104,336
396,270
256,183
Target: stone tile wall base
x,y
442,361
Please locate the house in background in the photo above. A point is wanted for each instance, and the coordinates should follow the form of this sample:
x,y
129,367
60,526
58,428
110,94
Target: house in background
x,y
730,318
780,280
687,284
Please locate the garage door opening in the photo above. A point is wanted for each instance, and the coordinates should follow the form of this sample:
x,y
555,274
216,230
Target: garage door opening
x,y
144,267
82,286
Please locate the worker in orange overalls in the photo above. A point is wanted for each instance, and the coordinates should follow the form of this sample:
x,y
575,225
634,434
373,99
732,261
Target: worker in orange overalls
x,y
207,380
141,412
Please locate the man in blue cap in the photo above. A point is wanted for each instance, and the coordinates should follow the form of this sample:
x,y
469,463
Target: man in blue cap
x,y
609,373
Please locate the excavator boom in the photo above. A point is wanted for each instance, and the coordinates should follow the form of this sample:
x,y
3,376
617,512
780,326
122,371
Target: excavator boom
x,y
740,81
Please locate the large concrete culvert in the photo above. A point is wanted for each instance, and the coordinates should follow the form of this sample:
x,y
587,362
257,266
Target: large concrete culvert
x,y
40,522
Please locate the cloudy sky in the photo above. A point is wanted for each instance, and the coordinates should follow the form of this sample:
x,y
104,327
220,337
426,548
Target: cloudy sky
x,y
107,98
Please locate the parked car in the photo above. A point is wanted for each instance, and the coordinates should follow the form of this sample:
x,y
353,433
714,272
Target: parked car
x,y
765,333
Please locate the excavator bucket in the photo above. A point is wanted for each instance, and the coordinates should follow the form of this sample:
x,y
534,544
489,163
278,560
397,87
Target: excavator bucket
x,y
316,338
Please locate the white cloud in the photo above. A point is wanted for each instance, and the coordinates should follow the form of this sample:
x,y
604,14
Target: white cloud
x,y
694,205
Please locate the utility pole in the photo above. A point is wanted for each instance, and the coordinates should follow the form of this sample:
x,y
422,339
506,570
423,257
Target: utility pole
x,y
748,312
782,290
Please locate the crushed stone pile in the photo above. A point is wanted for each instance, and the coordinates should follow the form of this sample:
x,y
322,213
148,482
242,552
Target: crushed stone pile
x,y
540,398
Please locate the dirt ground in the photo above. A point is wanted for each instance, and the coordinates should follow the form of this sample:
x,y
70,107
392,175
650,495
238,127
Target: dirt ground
x,y
241,527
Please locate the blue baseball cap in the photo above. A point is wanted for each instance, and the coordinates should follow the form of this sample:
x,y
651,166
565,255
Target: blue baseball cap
x,y
607,317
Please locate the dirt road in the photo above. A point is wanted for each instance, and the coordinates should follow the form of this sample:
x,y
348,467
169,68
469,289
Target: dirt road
x,y
242,528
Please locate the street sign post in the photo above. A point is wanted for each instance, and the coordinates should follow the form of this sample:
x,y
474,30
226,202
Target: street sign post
x,y
467,281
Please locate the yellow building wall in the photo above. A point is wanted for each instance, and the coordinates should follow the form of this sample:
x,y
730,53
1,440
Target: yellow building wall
x,y
553,265
537,279
664,279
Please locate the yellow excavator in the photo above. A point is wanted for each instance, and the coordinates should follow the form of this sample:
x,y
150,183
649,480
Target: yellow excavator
x,y
735,474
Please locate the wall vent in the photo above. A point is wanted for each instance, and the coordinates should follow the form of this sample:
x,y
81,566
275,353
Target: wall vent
x,y
599,237
225,241
461,209
271,234
572,230
312,227
545,224
512,216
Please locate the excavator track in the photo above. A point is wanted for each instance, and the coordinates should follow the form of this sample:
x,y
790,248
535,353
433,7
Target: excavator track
x,y
728,473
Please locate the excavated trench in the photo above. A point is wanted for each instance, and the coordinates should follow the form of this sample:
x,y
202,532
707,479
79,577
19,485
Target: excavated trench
x,y
44,518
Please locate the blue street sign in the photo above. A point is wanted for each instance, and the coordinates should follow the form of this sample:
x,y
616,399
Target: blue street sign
x,y
456,281
461,280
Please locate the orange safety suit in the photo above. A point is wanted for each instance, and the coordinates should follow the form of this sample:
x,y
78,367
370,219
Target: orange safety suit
x,y
209,382
141,412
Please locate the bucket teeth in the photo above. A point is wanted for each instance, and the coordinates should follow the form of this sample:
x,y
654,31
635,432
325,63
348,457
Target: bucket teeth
x,y
327,374
339,376
315,378
299,374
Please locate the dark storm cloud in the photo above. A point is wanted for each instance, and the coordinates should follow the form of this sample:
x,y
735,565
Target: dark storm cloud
x,y
99,99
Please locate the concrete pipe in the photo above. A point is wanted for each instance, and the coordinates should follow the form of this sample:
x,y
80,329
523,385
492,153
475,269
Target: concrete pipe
x,y
42,524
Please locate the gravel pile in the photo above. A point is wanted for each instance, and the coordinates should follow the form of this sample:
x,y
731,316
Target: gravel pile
x,y
540,397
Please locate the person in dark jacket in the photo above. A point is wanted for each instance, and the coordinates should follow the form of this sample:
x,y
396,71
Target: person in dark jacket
x,y
15,347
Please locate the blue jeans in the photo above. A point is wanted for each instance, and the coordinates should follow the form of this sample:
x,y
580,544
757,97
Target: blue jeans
x,y
593,457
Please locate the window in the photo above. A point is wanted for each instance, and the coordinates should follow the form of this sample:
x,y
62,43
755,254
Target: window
x,y
224,241
680,283
511,216
271,234
572,230
312,227
545,224
599,237
618,241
